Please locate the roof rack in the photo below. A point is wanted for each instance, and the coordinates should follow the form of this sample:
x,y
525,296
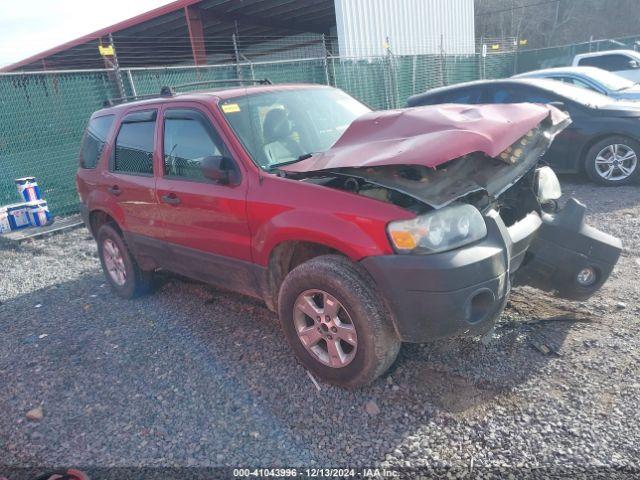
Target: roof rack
x,y
261,81
110,102
167,91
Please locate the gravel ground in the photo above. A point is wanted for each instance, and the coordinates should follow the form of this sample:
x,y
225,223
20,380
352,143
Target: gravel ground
x,y
192,376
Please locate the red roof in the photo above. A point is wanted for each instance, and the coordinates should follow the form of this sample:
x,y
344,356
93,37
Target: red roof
x,y
143,17
163,36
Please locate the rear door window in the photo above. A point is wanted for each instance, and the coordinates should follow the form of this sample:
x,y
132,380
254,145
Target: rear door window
x,y
94,141
134,144
504,95
580,83
466,96
519,95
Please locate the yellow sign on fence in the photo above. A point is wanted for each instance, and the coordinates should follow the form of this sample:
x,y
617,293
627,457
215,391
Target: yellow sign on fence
x,y
106,50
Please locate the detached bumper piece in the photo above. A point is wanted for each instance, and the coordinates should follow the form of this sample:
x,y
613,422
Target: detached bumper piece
x,y
463,292
568,256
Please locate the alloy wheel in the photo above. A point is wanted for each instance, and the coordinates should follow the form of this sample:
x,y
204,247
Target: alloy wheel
x,y
114,262
616,162
325,328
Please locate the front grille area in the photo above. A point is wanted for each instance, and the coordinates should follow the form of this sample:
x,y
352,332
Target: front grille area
x,y
518,201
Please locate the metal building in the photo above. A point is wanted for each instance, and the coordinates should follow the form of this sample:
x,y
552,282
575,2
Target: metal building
x,y
405,27
205,32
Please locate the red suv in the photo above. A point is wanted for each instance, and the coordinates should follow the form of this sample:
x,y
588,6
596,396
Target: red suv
x,y
361,229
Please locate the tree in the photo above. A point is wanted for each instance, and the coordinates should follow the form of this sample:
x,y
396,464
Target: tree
x,y
557,22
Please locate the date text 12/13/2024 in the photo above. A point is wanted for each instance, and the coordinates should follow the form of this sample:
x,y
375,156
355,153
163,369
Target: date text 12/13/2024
x,y
314,473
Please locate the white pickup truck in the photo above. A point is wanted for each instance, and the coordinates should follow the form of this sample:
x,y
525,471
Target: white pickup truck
x,y
625,63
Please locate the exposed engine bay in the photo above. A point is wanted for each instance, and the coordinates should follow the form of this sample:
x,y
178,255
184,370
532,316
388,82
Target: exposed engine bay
x,y
505,183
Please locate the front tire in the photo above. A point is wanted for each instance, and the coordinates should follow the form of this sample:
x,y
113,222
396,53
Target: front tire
x,y
123,273
613,161
335,322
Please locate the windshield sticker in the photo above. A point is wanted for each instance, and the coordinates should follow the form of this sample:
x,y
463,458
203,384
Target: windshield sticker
x,y
231,108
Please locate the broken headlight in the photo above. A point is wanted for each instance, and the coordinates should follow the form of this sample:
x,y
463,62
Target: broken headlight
x,y
438,231
547,185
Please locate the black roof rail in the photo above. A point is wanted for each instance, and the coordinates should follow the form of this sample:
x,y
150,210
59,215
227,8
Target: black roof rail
x,y
261,81
167,91
110,102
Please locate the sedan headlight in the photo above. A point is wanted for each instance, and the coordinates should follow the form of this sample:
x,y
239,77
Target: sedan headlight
x,y
439,230
547,185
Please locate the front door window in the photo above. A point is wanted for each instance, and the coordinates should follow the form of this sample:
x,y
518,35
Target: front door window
x,y
188,139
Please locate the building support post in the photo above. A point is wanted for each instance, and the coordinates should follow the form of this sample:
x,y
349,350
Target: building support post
x,y
196,34
116,69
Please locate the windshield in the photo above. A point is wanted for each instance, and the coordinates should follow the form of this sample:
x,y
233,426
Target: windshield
x,y
283,126
609,80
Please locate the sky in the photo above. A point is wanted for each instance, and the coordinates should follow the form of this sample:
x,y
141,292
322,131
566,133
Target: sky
x,y
28,27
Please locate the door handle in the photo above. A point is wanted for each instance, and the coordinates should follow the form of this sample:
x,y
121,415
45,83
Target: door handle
x,y
170,198
115,190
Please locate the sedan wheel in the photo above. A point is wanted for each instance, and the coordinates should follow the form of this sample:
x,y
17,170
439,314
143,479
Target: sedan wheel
x,y
616,162
613,161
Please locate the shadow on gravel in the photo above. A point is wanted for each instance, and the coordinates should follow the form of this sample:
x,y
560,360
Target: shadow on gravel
x,y
196,376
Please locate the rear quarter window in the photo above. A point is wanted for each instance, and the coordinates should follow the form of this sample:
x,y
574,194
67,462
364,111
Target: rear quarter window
x,y
95,139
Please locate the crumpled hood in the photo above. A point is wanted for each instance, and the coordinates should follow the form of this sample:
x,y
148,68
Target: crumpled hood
x,y
429,136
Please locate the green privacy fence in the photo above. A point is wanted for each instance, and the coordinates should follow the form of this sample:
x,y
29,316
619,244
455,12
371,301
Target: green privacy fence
x,y
43,114
41,122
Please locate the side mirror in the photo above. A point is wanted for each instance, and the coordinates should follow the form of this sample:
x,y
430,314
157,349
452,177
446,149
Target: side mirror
x,y
219,169
559,105
633,64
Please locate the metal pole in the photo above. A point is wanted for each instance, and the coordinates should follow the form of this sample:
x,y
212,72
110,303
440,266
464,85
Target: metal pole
x,y
326,60
237,53
116,69
413,75
253,73
483,54
390,87
133,85
442,64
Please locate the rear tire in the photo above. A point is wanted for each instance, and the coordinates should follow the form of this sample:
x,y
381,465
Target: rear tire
x,y
123,273
351,340
613,161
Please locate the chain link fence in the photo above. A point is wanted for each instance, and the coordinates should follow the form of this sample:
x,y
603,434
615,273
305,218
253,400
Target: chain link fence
x,y
43,114
562,56
42,117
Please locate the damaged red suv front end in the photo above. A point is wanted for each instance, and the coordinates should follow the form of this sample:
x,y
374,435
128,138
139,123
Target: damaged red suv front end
x,y
486,212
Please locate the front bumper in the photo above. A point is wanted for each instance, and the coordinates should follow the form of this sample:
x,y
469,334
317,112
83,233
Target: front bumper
x,y
463,292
